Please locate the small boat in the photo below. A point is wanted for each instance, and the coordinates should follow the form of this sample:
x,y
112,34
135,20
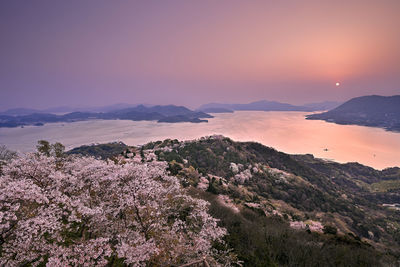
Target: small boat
x,y
325,149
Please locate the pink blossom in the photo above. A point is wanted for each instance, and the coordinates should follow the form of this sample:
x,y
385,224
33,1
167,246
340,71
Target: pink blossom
x,y
83,211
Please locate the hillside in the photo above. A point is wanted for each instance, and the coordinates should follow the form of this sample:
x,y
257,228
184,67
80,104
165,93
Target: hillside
x,y
168,113
103,151
374,110
287,209
59,210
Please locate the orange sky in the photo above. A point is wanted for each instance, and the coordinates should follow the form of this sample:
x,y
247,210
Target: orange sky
x,y
188,52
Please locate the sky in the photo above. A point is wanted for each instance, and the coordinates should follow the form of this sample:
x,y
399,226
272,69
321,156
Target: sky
x,y
94,52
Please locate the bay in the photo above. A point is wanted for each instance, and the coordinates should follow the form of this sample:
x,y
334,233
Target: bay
x,y
288,132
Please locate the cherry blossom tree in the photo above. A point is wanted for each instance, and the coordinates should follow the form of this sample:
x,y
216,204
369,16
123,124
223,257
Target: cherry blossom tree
x,y
87,212
6,156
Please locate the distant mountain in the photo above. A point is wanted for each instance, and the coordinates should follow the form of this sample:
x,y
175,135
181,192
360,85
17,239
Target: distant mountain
x,y
19,111
62,109
28,111
108,108
168,113
66,109
374,110
207,108
216,110
265,105
180,118
326,105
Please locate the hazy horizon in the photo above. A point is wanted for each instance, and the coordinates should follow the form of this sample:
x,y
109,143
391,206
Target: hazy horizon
x,y
89,106
96,53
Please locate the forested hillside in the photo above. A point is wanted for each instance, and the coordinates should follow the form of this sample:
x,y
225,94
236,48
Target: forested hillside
x,y
289,210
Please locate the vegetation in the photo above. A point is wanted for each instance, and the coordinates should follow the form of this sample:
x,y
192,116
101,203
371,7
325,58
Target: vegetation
x,y
277,209
5,156
274,190
59,210
259,240
386,186
102,151
374,110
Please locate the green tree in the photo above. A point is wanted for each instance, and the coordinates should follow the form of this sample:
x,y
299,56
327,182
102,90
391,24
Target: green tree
x,y
44,147
328,229
58,150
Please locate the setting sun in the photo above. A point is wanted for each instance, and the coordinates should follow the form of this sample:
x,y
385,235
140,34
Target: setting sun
x,y
337,84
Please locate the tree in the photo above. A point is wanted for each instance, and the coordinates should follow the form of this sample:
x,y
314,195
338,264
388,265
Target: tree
x,y
6,156
58,150
44,147
328,229
93,212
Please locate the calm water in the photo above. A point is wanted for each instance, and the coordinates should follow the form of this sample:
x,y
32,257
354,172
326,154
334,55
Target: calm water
x,y
286,131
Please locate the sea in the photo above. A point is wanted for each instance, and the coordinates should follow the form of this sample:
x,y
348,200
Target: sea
x,y
288,132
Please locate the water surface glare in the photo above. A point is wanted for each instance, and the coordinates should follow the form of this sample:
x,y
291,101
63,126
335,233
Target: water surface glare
x,y
285,131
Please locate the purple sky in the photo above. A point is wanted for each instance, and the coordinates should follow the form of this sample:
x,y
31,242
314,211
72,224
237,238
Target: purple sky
x,y
94,52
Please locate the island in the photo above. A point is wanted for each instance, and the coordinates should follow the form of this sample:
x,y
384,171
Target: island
x,y
167,113
373,111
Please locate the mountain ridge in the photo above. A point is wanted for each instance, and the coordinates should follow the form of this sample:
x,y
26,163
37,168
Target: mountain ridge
x,y
265,105
168,113
371,110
